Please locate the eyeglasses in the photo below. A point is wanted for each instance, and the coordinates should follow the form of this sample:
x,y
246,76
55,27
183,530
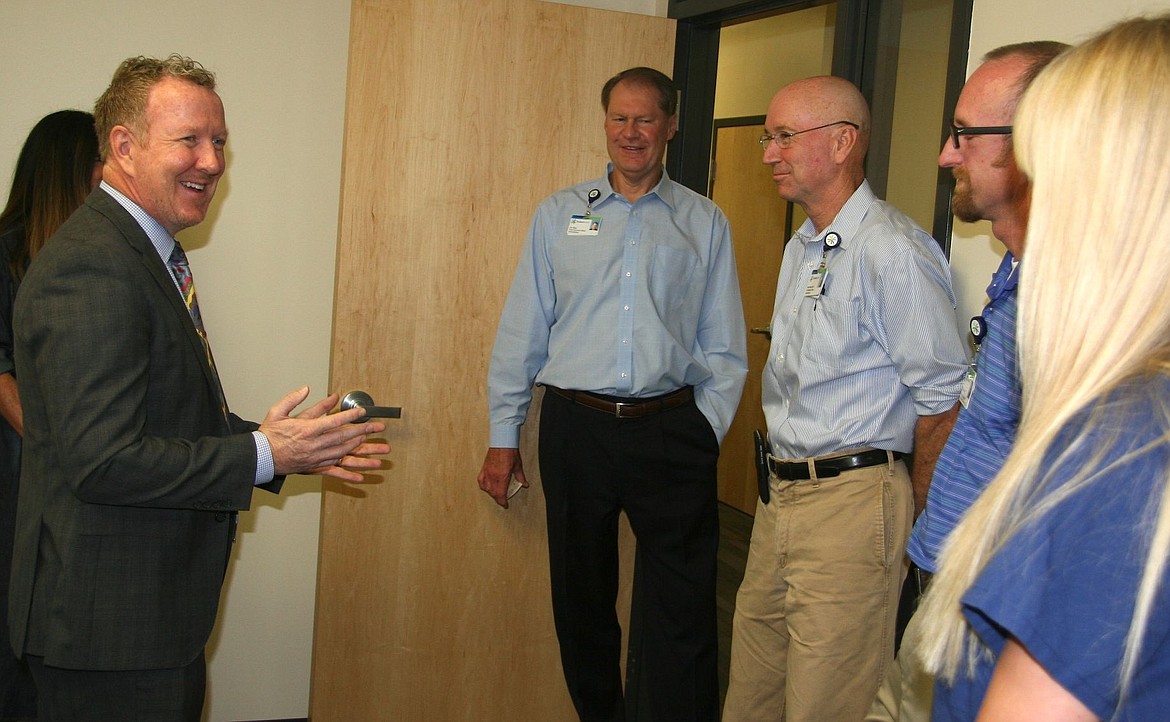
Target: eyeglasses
x,y
956,131
784,138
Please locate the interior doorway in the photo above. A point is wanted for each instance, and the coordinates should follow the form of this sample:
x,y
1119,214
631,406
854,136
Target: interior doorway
x,y
907,56
756,58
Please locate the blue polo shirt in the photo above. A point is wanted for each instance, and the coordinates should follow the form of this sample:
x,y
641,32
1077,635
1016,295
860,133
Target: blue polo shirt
x,y
985,429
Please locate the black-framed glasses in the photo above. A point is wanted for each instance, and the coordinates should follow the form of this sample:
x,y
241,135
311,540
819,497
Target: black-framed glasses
x,y
956,131
784,138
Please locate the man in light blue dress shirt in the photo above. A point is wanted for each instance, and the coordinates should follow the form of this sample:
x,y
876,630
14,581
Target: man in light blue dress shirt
x,y
626,308
865,366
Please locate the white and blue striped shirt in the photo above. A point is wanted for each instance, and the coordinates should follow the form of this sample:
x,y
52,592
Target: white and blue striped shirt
x,y
856,366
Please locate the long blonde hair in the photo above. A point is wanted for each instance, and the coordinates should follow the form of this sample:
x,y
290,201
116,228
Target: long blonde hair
x,y
1093,134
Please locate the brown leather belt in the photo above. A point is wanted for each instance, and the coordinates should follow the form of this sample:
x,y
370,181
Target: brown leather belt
x,y
628,408
833,466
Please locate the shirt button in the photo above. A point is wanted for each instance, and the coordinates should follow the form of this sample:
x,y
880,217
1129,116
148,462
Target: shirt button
x,y
626,308
628,274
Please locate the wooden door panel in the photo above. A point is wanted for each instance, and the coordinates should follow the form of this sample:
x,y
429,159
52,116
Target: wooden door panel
x,y
433,603
743,188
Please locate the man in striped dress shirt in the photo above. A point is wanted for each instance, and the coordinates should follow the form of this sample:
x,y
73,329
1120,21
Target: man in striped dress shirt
x,y
865,366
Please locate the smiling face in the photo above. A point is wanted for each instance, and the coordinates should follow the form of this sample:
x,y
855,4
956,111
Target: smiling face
x,y
171,167
805,170
637,130
988,186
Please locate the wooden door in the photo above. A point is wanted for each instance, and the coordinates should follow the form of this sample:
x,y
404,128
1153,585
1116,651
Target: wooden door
x,y
433,603
742,186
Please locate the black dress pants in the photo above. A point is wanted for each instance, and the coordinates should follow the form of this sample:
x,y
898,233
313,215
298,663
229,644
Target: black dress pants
x,y
661,470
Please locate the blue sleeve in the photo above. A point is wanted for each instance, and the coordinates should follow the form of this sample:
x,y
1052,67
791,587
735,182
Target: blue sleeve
x,y
521,346
1065,585
929,354
722,334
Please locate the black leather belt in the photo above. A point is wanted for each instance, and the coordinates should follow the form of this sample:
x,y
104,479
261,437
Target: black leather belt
x,y
833,466
628,408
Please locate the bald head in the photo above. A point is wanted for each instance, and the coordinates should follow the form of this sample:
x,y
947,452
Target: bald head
x,y
827,99
821,126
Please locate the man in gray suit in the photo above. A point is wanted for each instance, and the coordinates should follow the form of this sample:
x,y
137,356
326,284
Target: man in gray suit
x,y
133,466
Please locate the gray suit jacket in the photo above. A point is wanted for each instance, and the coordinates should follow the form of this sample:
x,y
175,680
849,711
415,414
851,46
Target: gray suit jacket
x,y
131,472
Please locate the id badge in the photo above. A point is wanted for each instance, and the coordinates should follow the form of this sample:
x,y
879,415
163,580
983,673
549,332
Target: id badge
x,y
968,388
584,225
816,284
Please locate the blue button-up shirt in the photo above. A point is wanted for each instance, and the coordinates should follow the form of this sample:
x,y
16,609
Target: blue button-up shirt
x,y
983,433
856,366
648,305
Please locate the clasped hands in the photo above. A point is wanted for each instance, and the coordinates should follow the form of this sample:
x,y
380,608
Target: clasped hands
x,y
317,442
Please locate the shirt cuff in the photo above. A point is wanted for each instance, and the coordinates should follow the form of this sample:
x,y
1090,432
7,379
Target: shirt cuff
x,y
504,437
265,468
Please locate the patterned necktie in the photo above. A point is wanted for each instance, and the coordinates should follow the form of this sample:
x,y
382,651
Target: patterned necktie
x,y
181,270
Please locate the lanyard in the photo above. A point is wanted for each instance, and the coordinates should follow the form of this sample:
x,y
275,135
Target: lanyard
x,y
816,284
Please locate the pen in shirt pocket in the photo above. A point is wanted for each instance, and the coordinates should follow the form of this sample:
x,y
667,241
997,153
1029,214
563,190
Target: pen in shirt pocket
x,y
824,292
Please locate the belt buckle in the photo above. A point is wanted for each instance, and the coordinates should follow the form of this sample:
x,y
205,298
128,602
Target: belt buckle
x,y
619,405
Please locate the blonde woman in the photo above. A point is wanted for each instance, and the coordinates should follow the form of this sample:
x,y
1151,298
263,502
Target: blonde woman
x,y
1052,602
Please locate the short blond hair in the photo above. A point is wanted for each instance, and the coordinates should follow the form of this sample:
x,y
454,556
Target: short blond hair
x,y
124,101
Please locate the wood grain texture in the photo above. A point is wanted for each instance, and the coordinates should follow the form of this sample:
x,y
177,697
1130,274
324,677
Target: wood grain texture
x,y
433,604
744,189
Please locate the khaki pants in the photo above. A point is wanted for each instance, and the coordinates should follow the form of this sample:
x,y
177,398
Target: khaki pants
x,y
907,692
813,632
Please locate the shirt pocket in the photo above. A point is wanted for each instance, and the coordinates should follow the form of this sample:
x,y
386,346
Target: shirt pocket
x,y
670,277
836,338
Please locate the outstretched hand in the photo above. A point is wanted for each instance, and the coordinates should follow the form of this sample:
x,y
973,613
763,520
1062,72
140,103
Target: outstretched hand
x,y
317,442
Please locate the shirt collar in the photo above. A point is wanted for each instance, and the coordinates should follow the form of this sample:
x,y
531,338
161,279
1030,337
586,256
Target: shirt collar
x,y
664,189
847,220
163,242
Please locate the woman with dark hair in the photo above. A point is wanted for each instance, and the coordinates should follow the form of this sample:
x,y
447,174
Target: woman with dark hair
x,y
57,168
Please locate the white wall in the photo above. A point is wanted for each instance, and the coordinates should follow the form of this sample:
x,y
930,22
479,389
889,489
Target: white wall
x,y
758,58
264,258
974,252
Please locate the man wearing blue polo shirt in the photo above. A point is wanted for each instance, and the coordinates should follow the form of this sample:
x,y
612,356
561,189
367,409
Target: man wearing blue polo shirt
x,y
988,186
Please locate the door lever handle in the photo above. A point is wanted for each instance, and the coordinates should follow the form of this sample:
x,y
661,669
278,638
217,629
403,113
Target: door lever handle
x,y
366,402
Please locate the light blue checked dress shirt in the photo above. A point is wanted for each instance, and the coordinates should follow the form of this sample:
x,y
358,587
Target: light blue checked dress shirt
x,y
646,306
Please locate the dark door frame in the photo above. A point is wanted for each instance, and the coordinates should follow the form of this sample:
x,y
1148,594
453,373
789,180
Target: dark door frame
x,y
865,49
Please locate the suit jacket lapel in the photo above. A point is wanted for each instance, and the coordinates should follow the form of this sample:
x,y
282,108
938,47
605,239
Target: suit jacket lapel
x,y
104,204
